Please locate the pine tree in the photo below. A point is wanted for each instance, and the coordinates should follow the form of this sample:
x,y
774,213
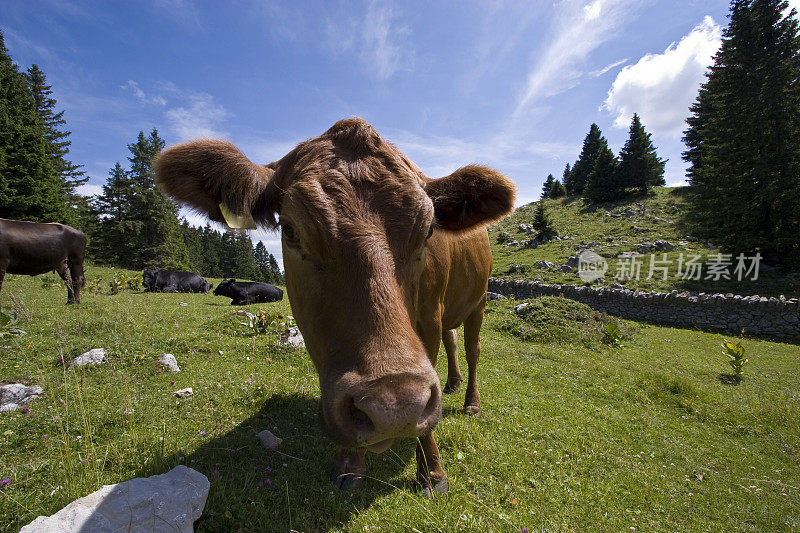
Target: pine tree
x,y
548,185
743,135
558,190
603,183
579,175
70,174
29,184
639,164
566,180
543,224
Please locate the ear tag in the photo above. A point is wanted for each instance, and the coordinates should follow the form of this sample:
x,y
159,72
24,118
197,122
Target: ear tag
x,y
236,221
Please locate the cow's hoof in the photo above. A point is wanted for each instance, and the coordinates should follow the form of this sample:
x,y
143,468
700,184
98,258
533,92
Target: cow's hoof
x,y
452,386
440,487
347,481
472,410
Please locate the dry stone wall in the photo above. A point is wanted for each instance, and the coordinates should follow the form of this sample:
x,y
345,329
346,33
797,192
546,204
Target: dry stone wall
x,y
730,313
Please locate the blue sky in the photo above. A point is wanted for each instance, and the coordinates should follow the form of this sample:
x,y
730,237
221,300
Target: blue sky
x,y
513,85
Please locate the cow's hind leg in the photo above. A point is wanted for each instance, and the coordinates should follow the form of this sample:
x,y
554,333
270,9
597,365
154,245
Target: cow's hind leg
x,y
78,280
350,468
63,271
454,379
430,474
472,347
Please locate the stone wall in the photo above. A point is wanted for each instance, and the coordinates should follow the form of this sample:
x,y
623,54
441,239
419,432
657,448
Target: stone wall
x,y
753,315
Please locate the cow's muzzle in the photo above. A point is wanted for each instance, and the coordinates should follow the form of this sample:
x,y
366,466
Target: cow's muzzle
x,y
373,412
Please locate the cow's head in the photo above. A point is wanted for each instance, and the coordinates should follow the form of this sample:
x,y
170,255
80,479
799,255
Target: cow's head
x,y
224,287
148,278
355,217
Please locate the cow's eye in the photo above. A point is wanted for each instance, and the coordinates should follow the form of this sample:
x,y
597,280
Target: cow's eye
x,y
430,232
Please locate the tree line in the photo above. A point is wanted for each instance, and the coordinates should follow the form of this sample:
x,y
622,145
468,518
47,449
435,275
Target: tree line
x,y
600,176
130,224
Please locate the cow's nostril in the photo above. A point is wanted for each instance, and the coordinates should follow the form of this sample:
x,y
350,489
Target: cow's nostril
x,y
431,410
360,421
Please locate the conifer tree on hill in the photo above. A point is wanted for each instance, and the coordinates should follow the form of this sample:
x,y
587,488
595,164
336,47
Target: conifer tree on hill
x,y
579,175
566,180
548,185
30,185
639,165
558,190
743,134
603,183
543,224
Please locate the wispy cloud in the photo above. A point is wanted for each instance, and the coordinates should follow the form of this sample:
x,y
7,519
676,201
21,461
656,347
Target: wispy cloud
x,y
661,87
140,94
600,72
89,189
199,117
382,43
579,29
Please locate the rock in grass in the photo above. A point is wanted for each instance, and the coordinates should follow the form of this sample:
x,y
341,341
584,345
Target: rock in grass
x,y
293,337
168,502
96,356
268,440
494,296
13,395
183,393
168,361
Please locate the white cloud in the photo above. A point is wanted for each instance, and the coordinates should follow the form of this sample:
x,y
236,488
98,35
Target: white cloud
x,y
580,29
201,117
795,4
89,189
600,72
381,43
140,94
661,87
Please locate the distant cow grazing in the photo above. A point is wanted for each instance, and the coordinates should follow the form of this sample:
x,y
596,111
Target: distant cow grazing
x,y
156,280
382,263
248,292
34,248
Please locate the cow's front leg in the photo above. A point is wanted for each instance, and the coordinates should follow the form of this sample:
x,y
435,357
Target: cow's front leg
x,y
430,474
454,379
472,347
63,271
350,469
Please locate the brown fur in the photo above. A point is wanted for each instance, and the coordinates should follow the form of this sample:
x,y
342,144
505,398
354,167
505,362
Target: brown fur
x,y
370,294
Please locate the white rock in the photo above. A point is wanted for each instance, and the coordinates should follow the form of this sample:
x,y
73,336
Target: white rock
x,y
268,440
293,337
246,314
183,393
13,395
168,502
168,361
97,356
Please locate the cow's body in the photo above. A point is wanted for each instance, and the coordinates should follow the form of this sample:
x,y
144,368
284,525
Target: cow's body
x,y
33,248
248,292
382,264
157,280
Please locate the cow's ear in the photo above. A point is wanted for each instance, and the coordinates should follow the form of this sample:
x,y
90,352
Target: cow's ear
x,y
470,196
215,178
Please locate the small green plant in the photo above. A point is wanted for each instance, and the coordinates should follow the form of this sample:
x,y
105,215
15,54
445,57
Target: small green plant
x,y
503,237
94,286
262,322
121,280
736,358
8,325
49,282
612,333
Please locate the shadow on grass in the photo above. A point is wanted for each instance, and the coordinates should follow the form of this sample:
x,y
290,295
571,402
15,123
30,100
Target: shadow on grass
x,y
253,489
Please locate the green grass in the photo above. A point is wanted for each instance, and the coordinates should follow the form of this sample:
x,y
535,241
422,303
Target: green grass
x,y
665,218
573,436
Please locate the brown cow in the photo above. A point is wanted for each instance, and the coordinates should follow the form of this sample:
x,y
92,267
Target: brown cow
x,y
33,248
380,262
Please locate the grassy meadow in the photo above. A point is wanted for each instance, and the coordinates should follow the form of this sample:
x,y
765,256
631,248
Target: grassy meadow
x,y
575,434
620,227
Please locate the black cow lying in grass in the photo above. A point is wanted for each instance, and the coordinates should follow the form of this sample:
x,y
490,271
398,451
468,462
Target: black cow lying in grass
x,y
248,292
156,280
33,248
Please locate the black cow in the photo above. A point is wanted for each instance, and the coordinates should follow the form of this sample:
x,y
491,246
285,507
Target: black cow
x,y
157,280
248,292
33,248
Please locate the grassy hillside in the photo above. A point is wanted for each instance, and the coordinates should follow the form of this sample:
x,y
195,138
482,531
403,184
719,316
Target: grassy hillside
x,y
612,229
575,435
